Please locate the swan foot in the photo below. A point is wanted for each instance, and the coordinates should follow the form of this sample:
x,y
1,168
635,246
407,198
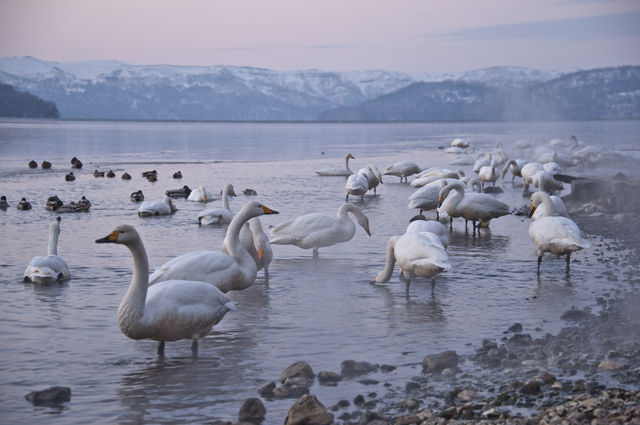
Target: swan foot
x,y
161,349
194,349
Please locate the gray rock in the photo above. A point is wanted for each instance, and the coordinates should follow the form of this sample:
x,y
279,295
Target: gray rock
x,y
352,368
298,381
298,370
519,340
436,363
493,189
50,397
290,392
325,376
267,389
343,403
530,388
369,382
575,315
517,327
411,386
252,408
308,411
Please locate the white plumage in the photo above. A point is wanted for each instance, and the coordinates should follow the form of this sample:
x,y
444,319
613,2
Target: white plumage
x,y
472,206
357,184
200,195
403,169
219,215
51,268
336,171
151,208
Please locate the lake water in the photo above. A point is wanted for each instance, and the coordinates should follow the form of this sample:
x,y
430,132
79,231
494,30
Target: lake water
x,y
320,311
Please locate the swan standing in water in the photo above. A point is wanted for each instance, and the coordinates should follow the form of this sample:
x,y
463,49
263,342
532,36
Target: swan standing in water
x,y
169,311
319,230
554,234
151,208
427,198
219,215
346,171
515,166
421,224
418,254
403,169
257,244
488,174
235,271
357,185
374,177
558,207
51,268
472,206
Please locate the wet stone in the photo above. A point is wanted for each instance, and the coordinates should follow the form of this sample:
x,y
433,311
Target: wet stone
x,y
300,382
325,376
343,403
50,397
358,400
575,315
252,408
290,392
610,365
386,368
369,382
517,327
297,370
519,340
436,363
308,410
530,388
411,386
352,368
267,389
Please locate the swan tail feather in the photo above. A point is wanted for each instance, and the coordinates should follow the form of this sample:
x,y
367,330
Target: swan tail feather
x,y
231,306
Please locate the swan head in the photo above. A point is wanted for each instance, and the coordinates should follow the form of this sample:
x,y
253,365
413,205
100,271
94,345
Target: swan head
x,y
124,235
255,209
228,188
203,193
364,222
349,156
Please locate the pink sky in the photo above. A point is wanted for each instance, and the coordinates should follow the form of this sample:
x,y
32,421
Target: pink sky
x,y
403,35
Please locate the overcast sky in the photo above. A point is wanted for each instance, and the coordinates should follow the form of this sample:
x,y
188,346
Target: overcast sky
x,y
337,35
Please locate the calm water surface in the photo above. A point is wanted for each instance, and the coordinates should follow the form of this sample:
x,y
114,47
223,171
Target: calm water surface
x,y
320,311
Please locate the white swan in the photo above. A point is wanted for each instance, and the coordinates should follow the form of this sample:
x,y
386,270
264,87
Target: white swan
x,y
151,208
423,181
558,207
168,311
545,182
418,225
235,271
335,171
528,171
319,230
440,172
483,161
51,268
403,169
472,206
457,150
374,176
557,235
488,174
200,195
219,215
461,143
257,244
357,184
515,166
417,254
427,198
463,160
472,186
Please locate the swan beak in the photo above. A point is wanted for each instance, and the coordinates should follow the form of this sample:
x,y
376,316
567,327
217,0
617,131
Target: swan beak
x,y
350,156
533,209
380,180
113,237
374,279
205,199
441,201
367,229
269,211
260,253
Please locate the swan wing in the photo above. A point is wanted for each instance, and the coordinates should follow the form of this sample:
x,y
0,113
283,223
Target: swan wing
x,y
558,235
154,208
215,216
47,269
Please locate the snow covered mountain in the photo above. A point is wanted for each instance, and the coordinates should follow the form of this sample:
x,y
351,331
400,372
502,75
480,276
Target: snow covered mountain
x,y
116,90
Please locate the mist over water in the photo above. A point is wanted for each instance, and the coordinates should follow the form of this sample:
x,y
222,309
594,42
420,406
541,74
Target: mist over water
x,y
320,311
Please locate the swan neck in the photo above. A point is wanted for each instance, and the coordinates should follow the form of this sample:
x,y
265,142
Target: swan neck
x,y
549,209
389,265
346,164
237,250
54,231
225,200
133,303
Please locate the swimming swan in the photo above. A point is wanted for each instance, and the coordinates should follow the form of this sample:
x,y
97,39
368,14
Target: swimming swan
x,y
417,254
200,195
472,206
346,171
169,311
236,271
219,215
554,234
151,208
319,230
51,268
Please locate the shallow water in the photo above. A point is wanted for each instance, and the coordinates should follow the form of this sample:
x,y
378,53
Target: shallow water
x,y
321,311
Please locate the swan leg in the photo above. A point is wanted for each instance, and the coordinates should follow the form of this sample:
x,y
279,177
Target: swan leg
x,y
161,349
474,227
347,200
450,223
433,284
266,273
408,283
437,215
466,224
568,259
539,262
315,253
194,349
513,178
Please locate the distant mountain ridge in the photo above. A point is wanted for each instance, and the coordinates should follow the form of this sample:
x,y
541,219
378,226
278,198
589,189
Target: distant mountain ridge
x,y
116,90
18,104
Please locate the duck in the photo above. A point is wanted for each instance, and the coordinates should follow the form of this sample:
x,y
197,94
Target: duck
x,y
418,254
23,205
137,196
183,192
33,164
3,202
403,169
200,195
153,208
177,175
126,176
421,224
51,268
98,173
249,192
52,203
61,208
374,177
111,174
488,174
558,207
357,185
235,271
335,171
554,234
46,164
169,311
472,206
320,230
219,215
152,177
70,177
84,204
146,174
76,164
515,166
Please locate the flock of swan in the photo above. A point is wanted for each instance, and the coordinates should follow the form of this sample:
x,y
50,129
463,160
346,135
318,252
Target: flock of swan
x,y
185,297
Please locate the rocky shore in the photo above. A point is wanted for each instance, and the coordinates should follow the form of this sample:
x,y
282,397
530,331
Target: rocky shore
x,y
588,373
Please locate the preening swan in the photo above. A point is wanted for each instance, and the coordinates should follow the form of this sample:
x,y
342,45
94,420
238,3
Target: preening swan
x,y
151,208
51,268
403,169
417,254
528,171
320,230
558,207
421,224
357,185
554,234
257,244
169,311
200,195
219,215
472,206
335,171
235,271
374,176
